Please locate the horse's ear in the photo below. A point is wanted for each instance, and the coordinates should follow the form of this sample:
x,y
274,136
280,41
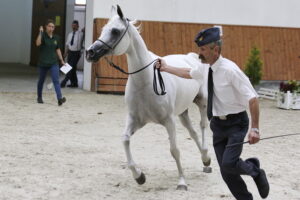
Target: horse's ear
x,y
113,10
120,13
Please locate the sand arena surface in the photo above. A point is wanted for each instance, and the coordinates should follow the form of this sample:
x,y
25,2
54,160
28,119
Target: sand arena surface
x,y
75,152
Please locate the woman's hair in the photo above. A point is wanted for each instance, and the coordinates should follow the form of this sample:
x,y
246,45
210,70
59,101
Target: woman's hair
x,y
49,21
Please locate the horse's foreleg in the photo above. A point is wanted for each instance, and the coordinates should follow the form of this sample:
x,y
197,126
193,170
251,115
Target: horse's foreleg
x,y
170,126
131,127
186,122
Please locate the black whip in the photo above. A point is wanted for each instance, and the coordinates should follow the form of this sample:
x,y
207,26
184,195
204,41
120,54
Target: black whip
x,y
266,138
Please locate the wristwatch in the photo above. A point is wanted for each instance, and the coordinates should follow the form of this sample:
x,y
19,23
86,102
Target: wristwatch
x,y
255,130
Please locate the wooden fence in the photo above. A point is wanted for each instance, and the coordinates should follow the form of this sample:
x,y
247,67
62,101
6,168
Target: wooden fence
x,y
280,49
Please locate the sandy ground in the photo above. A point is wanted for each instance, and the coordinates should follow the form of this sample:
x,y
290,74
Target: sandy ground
x,y
75,152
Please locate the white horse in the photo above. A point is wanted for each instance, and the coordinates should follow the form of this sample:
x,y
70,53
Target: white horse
x,y
120,36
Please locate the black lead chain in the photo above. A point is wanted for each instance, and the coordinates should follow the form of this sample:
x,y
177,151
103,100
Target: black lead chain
x,y
160,78
124,72
161,82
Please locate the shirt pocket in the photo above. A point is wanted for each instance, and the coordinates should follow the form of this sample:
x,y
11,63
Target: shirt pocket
x,y
225,92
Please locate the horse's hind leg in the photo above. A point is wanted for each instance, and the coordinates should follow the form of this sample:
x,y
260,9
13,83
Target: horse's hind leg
x,y
201,103
186,122
203,126
131,127
170,126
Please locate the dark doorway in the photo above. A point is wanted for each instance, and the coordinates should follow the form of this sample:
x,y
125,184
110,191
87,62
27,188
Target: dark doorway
x,y
41,11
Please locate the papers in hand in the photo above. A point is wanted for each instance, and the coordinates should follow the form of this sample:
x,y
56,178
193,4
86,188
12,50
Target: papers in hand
x,y
66,68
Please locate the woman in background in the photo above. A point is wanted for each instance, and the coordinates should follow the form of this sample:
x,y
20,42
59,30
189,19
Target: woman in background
x,y
49,53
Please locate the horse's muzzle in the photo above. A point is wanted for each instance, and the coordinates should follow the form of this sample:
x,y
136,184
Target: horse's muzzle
x,y
96,51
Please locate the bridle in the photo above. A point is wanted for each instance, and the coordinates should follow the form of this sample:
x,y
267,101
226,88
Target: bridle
x,y
155,70
119,40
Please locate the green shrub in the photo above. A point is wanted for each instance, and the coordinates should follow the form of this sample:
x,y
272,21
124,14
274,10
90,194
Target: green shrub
x,y
254,66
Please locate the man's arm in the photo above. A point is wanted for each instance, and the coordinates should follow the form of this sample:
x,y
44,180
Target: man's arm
x,y
254,111
67,46
66,51
181,72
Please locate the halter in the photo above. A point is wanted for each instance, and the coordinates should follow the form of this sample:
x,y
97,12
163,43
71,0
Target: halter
x,y
118,41
110,62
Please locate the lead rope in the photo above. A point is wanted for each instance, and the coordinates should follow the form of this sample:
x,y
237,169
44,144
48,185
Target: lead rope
x,y
160,78
161,82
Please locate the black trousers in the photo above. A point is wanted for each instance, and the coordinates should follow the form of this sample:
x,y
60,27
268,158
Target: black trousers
x,y
73,58
229,131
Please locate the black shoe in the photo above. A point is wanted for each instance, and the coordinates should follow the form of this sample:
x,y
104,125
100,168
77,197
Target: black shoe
x,y
62,85
73,85
61,101
262,184
255,161
40,100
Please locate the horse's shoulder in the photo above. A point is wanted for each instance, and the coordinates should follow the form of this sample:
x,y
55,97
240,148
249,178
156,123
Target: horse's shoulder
x,y
193,55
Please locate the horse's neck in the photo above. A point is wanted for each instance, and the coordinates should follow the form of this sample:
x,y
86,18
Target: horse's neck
x,y
138,57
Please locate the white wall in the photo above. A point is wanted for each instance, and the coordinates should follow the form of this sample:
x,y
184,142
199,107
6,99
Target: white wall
x,y
15,34
79,14
282,13
278,13
69,16
87,70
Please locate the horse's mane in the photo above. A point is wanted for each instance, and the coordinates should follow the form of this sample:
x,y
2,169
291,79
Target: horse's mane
x,y
136,25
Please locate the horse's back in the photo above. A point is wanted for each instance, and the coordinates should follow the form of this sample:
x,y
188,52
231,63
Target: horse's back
x,y
186,89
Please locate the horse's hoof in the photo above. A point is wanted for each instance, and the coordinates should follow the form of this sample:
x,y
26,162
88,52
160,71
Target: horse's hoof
x,y
181,187
207,169
142,179
207,163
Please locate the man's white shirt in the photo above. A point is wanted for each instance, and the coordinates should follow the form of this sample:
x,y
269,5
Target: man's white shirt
x,y
232,88
78,36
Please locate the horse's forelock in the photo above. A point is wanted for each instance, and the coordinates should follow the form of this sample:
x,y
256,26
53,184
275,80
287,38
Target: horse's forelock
x,y
134,23
110,22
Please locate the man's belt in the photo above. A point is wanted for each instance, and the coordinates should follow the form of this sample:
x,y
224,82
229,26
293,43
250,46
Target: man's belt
x,y
230,116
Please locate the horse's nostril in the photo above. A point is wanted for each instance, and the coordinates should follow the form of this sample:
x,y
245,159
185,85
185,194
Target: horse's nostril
x,y
91,52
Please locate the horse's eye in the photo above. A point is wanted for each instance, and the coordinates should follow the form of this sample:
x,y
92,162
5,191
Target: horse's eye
x,y
115,31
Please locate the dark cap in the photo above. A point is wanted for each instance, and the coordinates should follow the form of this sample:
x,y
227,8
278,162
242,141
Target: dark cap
x,y
75,22
207,36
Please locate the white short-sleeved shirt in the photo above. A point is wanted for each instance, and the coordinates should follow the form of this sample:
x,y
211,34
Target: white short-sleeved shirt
x,y
77,43
232,88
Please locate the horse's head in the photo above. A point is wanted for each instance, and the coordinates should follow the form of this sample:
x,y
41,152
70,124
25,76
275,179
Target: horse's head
x,y
114,38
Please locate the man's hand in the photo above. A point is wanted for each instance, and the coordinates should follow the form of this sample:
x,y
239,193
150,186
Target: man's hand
x,y
181,72
161,65
253,137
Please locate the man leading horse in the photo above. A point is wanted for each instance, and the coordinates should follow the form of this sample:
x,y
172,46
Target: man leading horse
x,y
230,93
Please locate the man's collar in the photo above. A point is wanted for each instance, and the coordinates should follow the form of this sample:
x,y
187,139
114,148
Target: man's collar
x,y
214,66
